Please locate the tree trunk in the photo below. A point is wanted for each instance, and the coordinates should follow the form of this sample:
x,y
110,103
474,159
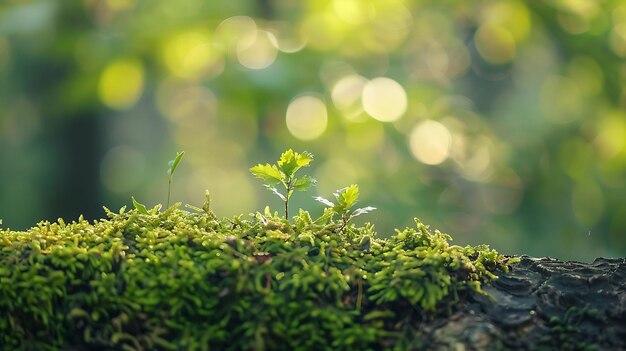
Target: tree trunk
x,y
542,304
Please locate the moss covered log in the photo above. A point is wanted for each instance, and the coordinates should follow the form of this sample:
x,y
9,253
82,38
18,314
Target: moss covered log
x,y
180,280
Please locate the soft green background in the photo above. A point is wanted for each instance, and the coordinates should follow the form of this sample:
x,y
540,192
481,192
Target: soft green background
x,y
500,122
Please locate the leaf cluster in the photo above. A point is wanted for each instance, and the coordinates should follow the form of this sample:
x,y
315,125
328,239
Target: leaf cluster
x,y
284,173
346,198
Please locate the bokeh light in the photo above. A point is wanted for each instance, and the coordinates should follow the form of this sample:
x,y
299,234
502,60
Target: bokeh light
x,y
384,99
322,31
236,32
260,53
611,138
430,142
192,55
307,117
346,95
502,122
121,83
353,11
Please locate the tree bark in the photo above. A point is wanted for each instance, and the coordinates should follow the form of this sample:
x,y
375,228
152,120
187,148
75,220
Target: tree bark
x,y
542,303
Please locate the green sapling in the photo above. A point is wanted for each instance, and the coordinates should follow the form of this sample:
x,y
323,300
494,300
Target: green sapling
x,y
283,172
170,171
346,198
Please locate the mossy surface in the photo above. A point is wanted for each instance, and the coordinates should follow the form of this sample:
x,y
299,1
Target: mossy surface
x,y
176,280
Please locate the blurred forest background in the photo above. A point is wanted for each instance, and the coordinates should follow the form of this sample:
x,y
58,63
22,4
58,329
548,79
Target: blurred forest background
x,y
499,122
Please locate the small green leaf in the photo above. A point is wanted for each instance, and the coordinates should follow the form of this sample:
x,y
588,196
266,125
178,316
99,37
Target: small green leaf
x,y
303,183
324,201
267,172
363,210
327,215
174,163
347,197
287,162
275,191
290,162
140,207
304,158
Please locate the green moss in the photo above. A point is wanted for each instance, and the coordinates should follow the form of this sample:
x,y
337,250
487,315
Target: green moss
x,y
565,333
178,280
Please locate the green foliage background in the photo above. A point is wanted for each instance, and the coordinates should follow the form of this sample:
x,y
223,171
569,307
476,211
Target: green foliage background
x,y
513,132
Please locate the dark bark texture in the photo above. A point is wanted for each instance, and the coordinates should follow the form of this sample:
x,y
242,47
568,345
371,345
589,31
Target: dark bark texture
x,y
543,304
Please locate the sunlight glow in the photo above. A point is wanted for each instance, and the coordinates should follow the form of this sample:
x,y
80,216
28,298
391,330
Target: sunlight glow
x,y
121,84
236,31
346,95
307,117
191,55
384,99
430,142
353,11
259,54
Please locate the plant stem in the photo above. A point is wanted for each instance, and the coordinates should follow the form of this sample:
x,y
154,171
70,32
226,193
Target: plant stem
x,y
288,186
169,191
344,223
287,202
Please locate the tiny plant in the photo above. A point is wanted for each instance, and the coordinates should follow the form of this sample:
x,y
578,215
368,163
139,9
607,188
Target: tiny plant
x,y
283,172
141,208
346,198
170,171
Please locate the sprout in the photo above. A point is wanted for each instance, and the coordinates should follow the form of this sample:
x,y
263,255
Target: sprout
x,y
346,198
283,172
170,171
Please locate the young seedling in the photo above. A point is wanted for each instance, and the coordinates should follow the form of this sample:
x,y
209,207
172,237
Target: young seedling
x,y
346,198
170,171
141,208
283,172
